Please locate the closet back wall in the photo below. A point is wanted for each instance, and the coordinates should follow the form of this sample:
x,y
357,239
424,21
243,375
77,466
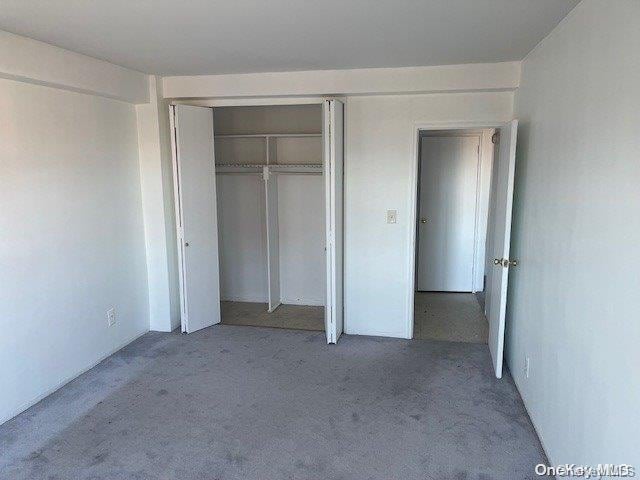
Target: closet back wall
x,y
301,229
242,238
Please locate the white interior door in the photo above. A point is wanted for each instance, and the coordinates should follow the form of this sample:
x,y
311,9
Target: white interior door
x,y
196,212
333,129
447,212
499,241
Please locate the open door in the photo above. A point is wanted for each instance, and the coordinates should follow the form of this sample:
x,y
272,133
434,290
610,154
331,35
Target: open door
x,y
499,241
333,130
196,216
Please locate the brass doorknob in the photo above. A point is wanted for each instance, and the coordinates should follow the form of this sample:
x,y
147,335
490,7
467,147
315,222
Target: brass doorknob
x,y
497,261
423,220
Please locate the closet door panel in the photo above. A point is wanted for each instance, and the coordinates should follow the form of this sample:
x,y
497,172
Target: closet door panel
x,y
195,187
301,227
333,132
242,238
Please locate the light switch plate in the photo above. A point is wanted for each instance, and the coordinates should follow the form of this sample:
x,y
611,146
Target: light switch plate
x,y
392,216
111,317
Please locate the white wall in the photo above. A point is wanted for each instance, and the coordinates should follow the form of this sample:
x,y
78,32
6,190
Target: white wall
x,y
380,160
242,237
157,203
575,296
72,242
302,239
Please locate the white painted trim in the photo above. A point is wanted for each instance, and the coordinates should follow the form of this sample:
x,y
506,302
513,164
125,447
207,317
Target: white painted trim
x,y
503,76
249,102
411,241
70,378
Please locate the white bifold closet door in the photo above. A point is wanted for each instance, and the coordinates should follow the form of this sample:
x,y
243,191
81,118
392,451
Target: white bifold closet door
x,y
499,242
333,130
196,216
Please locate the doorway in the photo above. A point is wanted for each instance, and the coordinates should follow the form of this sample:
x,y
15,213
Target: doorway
x,y
443,174
454,171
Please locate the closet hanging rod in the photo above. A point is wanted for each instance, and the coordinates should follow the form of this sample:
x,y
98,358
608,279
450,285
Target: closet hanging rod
x,y
290,172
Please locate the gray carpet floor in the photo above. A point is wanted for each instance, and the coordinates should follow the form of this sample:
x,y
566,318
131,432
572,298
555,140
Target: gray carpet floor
x,y
297,317
233,402
449,316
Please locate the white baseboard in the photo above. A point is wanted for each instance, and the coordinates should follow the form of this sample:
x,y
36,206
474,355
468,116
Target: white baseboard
x,y
58,386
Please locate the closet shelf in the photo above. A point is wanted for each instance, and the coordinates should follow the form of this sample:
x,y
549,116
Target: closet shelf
x,y
253,169
273,165
264,135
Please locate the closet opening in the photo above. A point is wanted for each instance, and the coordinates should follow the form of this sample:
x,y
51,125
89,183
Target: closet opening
x,y
259,221
271,215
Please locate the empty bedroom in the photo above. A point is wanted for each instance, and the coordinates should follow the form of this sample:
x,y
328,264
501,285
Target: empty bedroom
x,y
390,239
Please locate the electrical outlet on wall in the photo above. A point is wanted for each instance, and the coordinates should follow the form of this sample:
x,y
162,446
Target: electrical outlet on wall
x,y
527,364
392,216
111,317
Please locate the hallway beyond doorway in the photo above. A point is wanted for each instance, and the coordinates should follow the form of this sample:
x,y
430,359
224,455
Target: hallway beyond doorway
x,y
447,316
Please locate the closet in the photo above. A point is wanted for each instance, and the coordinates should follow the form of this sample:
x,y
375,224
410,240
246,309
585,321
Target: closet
x,y
259,213
271,222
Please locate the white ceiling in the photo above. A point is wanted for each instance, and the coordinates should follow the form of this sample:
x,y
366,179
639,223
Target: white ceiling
x,y
189,37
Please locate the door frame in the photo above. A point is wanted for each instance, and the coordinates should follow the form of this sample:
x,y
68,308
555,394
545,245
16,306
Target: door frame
x,y
228,102
413,205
